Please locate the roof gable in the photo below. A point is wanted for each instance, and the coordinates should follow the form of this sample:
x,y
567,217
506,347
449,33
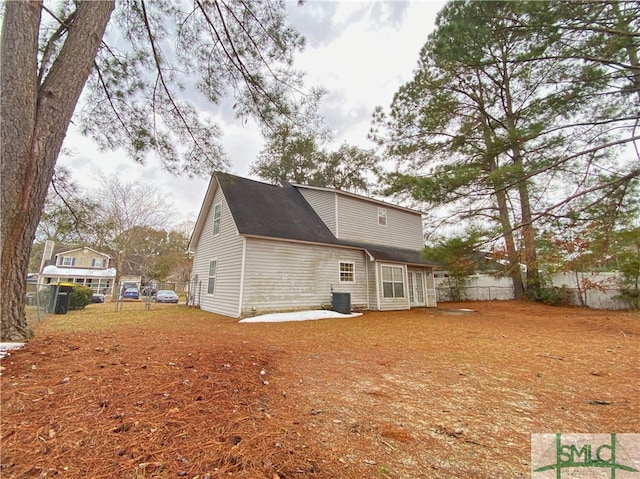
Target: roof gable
x,y
261,209
83,248
202,215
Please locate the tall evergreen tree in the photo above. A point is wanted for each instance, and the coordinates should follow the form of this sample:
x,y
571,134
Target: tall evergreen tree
x,y
500,122
296,150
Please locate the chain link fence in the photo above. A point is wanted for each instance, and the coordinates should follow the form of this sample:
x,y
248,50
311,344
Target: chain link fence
x,y
39,302
195,293
43,300
147,295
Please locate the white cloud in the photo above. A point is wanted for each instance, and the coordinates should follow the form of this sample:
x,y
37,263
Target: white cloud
x,y
371,51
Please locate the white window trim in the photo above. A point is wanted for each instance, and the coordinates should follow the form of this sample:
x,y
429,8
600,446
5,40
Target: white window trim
x,y
217,221
64,263
382,215
353,272
101,262
404,281
215,277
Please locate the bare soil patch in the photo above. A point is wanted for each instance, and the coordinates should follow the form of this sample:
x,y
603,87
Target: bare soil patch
x,y
177,392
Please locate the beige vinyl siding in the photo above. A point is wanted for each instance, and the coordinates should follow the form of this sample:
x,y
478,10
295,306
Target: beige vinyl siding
x,y
283,276
83,258
324,204
226,248
388,304
358,221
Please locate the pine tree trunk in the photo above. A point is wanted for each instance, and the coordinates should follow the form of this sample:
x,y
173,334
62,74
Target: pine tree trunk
x,y
512,252
505,222
529,240
528,230
35,117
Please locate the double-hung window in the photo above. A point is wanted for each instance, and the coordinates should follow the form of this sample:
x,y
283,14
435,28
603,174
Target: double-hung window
x,y
211,286
217,214
347,272
382,216
392,282
67,261
97,263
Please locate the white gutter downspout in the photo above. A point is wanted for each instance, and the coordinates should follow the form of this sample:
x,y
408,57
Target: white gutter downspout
x,y
406,272
375,270
366,272
337,234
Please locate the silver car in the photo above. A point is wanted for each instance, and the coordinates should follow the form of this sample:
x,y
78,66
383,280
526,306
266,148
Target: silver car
x,y
166,296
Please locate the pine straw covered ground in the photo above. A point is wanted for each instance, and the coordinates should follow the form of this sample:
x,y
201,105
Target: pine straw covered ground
x,y
177,392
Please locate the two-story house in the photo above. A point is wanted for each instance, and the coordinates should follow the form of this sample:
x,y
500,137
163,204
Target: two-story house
x,y
84,266
261,248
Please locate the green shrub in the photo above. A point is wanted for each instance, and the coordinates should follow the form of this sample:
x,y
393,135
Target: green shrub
x,y
631,297
552,295
80,297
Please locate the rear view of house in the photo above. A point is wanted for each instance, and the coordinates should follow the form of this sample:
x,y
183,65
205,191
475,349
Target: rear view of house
x,y
260,248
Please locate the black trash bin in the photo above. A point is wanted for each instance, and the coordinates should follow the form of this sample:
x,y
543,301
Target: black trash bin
x,y
62,295
341,302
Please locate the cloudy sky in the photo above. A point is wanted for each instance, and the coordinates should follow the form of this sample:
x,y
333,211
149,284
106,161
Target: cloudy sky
x,y
360,51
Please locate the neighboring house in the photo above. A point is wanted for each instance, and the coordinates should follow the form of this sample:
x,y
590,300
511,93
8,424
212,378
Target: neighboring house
x,y
260,248
84,266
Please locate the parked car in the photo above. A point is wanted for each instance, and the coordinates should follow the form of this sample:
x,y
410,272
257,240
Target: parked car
x,y
166,296
131,293
149,291
97,298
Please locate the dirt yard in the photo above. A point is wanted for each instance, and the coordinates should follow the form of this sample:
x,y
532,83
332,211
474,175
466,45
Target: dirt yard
x,y
176,392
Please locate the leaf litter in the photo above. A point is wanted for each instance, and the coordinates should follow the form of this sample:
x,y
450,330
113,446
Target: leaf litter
x,y
178,392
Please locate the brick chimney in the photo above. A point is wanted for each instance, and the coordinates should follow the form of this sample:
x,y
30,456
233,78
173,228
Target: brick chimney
x,y
47,253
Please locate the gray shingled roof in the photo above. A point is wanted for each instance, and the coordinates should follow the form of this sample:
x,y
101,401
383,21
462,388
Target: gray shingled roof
x,y
387,253
273,211
260,209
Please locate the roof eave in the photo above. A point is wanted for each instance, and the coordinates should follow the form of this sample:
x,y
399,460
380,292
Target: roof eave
x,y
341,246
